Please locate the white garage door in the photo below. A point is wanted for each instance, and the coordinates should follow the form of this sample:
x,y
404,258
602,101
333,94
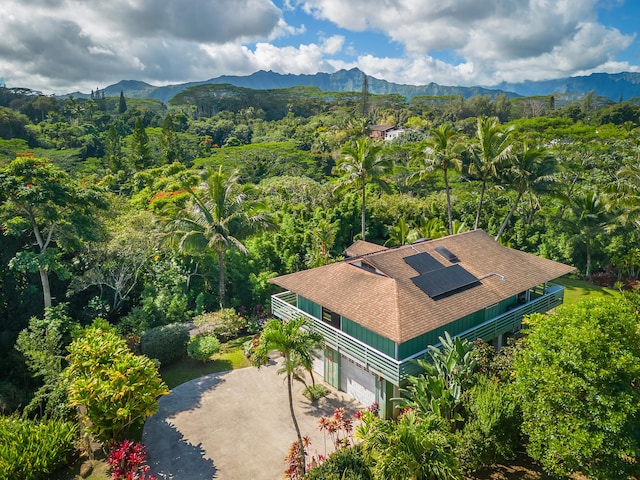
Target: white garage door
x,y
357,382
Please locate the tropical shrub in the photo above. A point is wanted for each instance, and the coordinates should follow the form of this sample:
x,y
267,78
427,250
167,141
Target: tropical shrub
x,y
440,389
203,347
166,344
347,463
33,450
492,430
315,392
114,388
225,324
43,345
414,446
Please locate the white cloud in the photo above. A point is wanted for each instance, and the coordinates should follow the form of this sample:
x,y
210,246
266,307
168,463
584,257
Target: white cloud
x,y
60,45
64,45
504,41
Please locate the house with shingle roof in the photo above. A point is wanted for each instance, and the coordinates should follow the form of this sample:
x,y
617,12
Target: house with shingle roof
x,y
380,308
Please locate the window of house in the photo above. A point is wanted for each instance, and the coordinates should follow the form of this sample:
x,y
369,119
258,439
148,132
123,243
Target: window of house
x,y
332,318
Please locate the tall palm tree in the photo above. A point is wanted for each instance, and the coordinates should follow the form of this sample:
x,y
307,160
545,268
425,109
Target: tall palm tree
x,y
587,218
625,193
492,145
217,216
442,152
324,236
530,167
361,164
295,342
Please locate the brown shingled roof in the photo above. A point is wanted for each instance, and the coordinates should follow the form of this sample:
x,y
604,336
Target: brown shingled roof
x,y
390,304
361,247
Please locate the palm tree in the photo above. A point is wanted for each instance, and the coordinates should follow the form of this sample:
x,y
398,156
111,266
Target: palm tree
x,y
360,164
625,193
296,343
492,146
587,217
530,168
442,152
324,236
217,216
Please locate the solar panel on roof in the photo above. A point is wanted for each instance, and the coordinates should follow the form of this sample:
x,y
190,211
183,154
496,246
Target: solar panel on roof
x,y
446,253
423,262
444,280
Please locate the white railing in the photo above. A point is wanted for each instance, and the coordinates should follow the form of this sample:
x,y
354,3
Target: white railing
x,y
284,306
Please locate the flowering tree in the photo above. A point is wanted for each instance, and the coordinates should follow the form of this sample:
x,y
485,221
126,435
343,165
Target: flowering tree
x,y
53,212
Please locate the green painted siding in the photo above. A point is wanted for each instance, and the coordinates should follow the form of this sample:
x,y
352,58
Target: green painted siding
x,y
309,307
372,339
499,308
414,345
418,344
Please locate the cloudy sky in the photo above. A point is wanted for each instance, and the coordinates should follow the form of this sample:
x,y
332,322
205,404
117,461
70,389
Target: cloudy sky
x,y
60,46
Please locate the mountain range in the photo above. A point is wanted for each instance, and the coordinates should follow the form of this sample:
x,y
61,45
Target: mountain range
x,y
616,86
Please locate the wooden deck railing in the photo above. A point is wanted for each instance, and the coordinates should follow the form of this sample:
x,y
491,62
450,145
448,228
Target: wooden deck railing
x,y
284,306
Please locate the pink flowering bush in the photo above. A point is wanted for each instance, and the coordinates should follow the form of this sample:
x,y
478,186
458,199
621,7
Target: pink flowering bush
x,y
128,461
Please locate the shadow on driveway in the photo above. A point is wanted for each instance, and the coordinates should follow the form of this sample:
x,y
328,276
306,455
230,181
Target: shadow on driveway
x,y
234,426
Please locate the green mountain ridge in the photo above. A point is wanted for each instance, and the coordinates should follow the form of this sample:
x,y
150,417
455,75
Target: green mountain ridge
x,y
613,86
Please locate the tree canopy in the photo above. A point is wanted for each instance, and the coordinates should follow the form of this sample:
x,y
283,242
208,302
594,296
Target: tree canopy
x,y
577,379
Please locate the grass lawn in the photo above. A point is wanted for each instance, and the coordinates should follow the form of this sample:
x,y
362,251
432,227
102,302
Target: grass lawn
x,y
230,357
578,290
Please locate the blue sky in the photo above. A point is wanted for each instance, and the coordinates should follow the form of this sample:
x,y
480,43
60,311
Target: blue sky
x,y
60,46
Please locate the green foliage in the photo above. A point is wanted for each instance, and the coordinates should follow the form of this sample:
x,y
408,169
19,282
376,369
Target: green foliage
x,y
42,345
225,324
203,347
117,262
166,343
315,392
268,159
33,450
12,124
491,432
44,204
411,448
577,384
113,388
344,464
439,390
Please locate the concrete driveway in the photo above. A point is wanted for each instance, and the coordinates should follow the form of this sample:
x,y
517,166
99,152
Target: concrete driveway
x,y
234,425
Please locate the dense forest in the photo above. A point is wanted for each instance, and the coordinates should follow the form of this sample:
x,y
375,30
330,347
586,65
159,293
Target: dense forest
x,y
145,214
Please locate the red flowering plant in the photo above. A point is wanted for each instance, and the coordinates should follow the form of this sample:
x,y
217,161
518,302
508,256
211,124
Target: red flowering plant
x,y
373,409
338,427
128,461
293,460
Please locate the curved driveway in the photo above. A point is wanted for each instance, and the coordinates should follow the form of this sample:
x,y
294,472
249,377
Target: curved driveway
x,y
234,426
